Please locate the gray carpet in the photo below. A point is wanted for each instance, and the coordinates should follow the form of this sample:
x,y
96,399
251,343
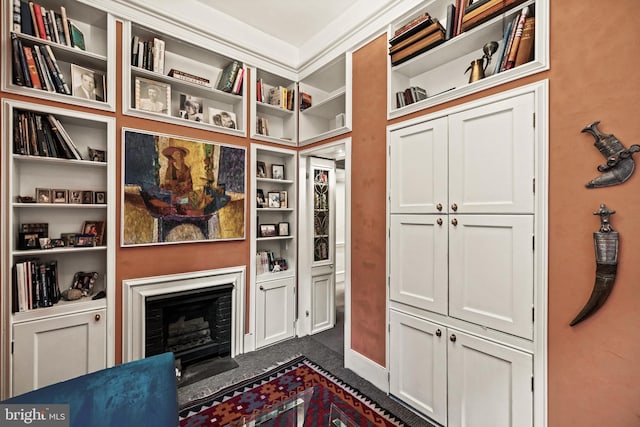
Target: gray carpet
x,y
326,349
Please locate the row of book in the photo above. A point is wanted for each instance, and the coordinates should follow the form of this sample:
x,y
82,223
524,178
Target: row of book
x,y
37,67
419,35
47,24
35,285
42,135
262,126
516,47
410,95
148,54
278,96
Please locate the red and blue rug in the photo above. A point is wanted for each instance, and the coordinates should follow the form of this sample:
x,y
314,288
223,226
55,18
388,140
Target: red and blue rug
x,y
279,384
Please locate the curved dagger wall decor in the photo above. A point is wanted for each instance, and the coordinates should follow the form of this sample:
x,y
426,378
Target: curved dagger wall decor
x,y
619,166
606,245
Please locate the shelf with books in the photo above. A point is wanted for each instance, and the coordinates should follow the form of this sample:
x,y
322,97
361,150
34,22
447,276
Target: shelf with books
x,y
273,108
76,69
174,80
60,218
325,101
440,71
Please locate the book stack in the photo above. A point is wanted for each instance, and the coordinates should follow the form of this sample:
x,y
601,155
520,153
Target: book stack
x,y
35,285
282,97
305,101
36,67
191,78
483,10
418,38
47,24
410,95
42,135
516,47
148,54
231,78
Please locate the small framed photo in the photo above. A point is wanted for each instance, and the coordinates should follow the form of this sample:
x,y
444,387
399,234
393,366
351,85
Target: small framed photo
x,y
84,240
261,170
60,196
268,230
87,197
191,108
29,240
84,282
57,243
87,84
97,155
274,199
94,228
100,197
75,196
283,229
225,119
277,171
69,239
43,195
283,199
153,96
260,201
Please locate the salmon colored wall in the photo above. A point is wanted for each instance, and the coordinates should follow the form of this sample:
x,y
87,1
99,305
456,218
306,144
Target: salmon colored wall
x,y
594,369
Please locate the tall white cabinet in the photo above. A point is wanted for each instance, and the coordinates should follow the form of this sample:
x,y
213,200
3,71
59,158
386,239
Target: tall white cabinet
x,y
462,258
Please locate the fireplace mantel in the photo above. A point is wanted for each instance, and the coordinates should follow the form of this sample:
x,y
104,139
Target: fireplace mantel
x,y
135,291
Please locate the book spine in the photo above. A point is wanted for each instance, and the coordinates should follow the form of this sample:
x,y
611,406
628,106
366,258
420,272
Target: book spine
x,y
37,11
55,36
237,86
34,21
61,38
507,46
31,66
451,14
17,16
65,86
436,26
228,77
526,42
52,70
409,25
65,26
18,76
516,39
45,77
134,50
45,21
26,22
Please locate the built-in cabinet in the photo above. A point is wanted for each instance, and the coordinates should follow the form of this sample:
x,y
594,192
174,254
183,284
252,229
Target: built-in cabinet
x,y
461,262
60,197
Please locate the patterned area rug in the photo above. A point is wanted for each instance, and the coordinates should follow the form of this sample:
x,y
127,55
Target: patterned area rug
x,y
280,384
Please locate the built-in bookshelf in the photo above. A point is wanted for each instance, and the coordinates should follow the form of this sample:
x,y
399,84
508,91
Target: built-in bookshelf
x,y
75,66
325,94
58,220
172,80
443,70
274,108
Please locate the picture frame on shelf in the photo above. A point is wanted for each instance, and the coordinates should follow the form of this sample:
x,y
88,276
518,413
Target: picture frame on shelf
x,y
45,243
283,229
59,196
191,108
75,197
97,155
277,171
95,228
69,239
261,169
260,200
57,243
87,83
268,230
153,96
283,199
87,197
274,199
100,197
43,195
84,240
84,282
29,240
225,119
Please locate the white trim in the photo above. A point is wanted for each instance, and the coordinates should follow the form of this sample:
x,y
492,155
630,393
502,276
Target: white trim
x,y
135,291
367,369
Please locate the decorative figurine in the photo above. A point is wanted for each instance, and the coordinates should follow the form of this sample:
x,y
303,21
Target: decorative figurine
x,y
620,165
478,66
606,246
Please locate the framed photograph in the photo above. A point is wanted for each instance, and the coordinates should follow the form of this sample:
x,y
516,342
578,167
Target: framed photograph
x,y
43,195
274,199
100,197
29,240
97,155
95,228
277,171
57,243
75,196
69,239
191,107
260,201
45,243
87,197
261,169
283,199
84,282
225,119
60,196
283,229
268,230
153,96
84,240
87,83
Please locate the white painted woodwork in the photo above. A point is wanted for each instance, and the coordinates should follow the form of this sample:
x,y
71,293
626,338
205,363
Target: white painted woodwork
x,y
489,384
275,311
323,311
418,168
57,349
418,364
491,157
491,271
418,261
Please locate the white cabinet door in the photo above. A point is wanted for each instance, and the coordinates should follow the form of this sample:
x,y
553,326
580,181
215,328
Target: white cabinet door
x,y
418,168
275,311
418,261
489,384
323,307
56,349
491,158
418,364
491,271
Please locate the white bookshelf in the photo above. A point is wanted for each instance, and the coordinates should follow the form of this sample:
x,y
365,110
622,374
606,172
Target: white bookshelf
x,y
282,123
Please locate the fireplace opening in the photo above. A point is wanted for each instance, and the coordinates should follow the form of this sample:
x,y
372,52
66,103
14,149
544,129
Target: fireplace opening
x,y
196,325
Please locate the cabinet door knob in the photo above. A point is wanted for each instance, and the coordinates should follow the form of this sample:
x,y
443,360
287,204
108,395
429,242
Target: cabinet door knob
x,y
439,206
439,221
261,288
438,333
453,337
454,207
97,317
454,221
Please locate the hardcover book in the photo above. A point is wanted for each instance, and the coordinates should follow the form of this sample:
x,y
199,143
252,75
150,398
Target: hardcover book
x,y
228,77
420,23
417,47
486,11
435,26
77,38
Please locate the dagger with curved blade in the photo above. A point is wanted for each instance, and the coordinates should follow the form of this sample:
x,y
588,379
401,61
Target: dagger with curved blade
x,y
606,247
620,165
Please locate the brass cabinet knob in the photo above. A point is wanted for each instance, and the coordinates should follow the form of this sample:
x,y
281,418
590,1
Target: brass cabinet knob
x,y
97,317
453,337
439,206
454,221
439,221
438,333
454,207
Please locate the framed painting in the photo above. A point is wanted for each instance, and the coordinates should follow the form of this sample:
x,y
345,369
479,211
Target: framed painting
x,y
179,190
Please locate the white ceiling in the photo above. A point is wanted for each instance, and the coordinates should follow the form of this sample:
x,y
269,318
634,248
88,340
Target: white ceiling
x,y
293,21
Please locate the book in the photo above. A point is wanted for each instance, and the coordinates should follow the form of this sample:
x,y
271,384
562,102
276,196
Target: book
x,y
26,22
45,20
65,138
192,78
65,26
228,76
237,85
457,27
414,26
418,47
32,68
451,14
497,58
424,17
62,146
18,75
511,60
134,50
486,11
17,16
474,5
37,13
525,51
76,36
435,26
34,21
65,86
305,101
45,76
507,46
61,38
158,55
53,72
55,35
